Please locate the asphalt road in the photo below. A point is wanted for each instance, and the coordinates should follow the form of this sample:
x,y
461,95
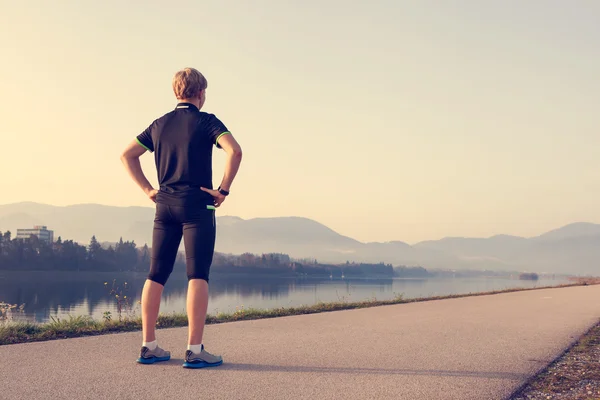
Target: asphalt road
x,y
469,348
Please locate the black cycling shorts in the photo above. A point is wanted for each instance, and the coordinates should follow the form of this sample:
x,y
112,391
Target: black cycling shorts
x,y
197,226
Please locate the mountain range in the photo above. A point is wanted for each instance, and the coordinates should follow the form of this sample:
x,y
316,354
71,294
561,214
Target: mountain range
x,y
574,248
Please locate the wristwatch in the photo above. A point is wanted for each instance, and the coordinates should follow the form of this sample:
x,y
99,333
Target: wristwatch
x,y
223,191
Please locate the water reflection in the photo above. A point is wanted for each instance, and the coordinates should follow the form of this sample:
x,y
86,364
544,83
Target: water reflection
x,y
59,294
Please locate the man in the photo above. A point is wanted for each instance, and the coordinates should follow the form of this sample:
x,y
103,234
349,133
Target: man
x,y
182,143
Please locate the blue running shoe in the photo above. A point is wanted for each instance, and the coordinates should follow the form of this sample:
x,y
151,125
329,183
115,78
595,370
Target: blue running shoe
x,y
148,356
202,360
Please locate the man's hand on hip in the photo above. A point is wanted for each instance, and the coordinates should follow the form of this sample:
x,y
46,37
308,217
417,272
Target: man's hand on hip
x,y
151,193
217,197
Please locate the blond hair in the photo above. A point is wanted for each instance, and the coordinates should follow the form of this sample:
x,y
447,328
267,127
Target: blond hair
x,y
187,83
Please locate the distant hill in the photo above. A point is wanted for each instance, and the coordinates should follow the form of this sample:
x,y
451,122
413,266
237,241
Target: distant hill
x,y
576,230
573,249
494,247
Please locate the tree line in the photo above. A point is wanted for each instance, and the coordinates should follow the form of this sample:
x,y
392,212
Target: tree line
x,y
37,255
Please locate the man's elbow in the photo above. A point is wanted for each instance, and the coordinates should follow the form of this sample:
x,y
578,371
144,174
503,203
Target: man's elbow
x,y
237,153
126,157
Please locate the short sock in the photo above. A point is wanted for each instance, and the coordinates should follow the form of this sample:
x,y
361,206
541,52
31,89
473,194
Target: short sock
x,y
195,348
150,345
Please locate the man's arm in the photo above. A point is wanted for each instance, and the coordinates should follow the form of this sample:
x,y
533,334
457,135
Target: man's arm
x,y
232,165
131,161
234,158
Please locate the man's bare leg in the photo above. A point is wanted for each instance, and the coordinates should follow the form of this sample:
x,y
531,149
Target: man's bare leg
x,y
151,295
150,352
197,305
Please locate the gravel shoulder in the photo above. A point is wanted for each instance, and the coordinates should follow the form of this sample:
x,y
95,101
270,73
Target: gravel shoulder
x,y
574,376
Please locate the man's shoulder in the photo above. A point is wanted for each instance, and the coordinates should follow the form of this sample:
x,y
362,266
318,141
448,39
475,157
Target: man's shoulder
x,y
166,116
209,118
162,118
160,121
207,115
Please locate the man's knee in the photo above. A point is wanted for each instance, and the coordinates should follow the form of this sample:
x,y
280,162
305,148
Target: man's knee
x,y
160,273
158,278
204,277
198,268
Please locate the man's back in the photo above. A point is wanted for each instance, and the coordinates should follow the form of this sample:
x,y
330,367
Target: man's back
x,y
182,143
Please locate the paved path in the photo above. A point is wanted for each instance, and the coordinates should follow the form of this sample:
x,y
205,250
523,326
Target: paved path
x,y
470,348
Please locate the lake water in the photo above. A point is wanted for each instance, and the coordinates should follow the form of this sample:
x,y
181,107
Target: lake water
x,y
59,294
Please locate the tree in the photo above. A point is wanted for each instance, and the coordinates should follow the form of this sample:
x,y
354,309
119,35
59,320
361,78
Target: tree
x,y
119,245
94,248
144,258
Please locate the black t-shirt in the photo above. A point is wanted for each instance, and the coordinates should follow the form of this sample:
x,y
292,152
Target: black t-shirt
x,y
182,143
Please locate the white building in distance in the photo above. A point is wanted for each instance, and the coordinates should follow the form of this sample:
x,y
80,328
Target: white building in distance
x,y
40,231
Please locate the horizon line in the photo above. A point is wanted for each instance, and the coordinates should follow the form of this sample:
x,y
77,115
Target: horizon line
x,y
320,223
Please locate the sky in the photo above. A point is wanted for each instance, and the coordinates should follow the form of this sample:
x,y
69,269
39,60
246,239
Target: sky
x,y
384,120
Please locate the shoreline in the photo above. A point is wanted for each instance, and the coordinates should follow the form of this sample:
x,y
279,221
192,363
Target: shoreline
x,y
27,332
433,273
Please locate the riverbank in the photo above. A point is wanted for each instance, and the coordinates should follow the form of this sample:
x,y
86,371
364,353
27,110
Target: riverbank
x,y
23,332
